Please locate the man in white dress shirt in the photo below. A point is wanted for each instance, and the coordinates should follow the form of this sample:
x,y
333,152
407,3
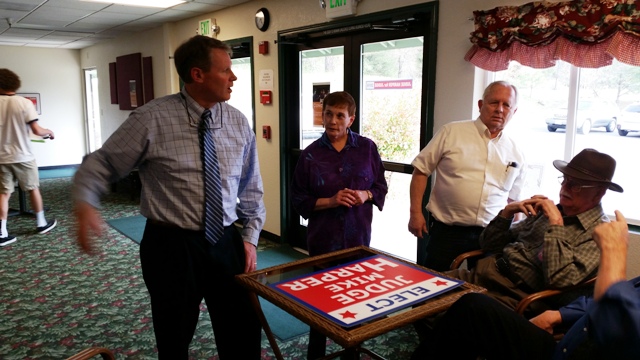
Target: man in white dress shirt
x,y
477,169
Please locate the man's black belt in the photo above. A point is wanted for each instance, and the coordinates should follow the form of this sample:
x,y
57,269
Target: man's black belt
x,y
172,226
163,224
433,221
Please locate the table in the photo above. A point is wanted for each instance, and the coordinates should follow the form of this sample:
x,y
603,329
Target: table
x,y
351,338
24,209
22,201
132,181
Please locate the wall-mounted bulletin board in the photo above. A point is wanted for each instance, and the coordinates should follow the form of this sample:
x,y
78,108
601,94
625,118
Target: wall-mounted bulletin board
x,y
113,81
131,81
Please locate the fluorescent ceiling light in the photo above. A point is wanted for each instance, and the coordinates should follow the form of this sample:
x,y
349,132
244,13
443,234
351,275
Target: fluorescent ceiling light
x,y
143,3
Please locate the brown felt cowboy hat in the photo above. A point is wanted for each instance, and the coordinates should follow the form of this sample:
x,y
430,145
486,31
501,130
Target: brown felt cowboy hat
x,y
590,165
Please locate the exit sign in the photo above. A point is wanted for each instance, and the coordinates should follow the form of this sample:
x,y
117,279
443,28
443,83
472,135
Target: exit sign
x,y
340,8
204,27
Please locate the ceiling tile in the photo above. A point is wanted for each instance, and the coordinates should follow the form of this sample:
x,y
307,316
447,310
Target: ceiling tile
x,y
132,10
81,44
75,4
27,33
33,20
225,3
199,7
22,5
45,13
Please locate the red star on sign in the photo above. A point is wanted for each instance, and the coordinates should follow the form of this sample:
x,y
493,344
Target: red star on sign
x,y
439,283
348,314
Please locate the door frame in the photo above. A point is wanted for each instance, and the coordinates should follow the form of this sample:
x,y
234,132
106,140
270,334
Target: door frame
x,y
288,41
90,129
244,46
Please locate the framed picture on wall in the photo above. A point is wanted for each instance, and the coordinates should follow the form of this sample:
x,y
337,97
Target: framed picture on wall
x,y
35,99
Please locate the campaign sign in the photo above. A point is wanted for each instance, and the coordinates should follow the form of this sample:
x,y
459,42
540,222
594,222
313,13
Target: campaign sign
x,y
365,289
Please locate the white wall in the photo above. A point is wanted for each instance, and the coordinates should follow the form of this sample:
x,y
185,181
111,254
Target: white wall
x,y
54,74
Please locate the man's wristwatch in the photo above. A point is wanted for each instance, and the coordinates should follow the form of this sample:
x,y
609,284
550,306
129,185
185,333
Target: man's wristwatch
x,y
370,195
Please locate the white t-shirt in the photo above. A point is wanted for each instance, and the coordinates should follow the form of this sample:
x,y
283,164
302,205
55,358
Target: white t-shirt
x,y
16,113
474,175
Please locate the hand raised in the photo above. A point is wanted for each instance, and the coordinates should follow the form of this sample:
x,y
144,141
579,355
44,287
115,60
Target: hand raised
x,y
614,235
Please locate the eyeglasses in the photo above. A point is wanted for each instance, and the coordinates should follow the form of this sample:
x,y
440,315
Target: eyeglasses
x,y
195,122
573,185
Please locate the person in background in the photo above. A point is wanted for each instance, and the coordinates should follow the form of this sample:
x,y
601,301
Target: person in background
x,y
605,326
553,247
477,169
337,181
181,262
17,117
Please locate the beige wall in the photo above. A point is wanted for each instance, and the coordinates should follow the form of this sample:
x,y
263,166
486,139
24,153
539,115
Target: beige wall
x,y
456,87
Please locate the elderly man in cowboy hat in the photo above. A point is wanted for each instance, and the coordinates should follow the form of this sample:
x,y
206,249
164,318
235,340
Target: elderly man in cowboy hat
x,y
553,246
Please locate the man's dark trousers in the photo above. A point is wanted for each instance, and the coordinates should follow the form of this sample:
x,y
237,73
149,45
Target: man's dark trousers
x,y
180,268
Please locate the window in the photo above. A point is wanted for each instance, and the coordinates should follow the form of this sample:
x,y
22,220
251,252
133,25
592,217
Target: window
x,y
565,109
241,97
242,66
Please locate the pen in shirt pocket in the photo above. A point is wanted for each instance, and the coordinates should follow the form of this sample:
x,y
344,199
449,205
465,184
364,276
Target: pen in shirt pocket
x,y
512,164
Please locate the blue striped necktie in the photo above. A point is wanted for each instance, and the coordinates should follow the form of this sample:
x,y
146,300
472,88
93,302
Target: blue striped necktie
x,y
213,225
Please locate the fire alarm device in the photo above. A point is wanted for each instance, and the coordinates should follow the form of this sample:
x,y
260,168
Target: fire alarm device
x,y
265,97
263,47
266,132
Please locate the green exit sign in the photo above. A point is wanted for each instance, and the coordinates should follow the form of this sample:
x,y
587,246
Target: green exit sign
x,y
204,27
337,3
341,8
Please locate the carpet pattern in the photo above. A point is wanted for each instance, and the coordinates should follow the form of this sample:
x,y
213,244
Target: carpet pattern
x,y
56,301
284,326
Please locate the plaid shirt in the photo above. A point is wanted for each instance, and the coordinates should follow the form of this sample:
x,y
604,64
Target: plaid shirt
x,y
161,140
547,256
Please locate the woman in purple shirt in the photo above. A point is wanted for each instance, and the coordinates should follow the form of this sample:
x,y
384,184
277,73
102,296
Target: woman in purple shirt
x,y
338,179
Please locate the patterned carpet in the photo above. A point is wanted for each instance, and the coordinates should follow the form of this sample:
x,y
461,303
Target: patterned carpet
x,y
56,301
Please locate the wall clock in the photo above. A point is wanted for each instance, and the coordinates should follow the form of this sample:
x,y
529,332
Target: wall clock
x,y
262,19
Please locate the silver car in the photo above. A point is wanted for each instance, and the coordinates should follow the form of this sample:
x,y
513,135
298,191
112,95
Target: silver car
x,y
629,119
592,113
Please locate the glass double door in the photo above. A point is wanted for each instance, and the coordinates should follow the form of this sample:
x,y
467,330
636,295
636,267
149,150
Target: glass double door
x,y
386,72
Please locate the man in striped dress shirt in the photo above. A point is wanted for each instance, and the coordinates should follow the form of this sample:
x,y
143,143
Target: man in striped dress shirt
x,y
180,267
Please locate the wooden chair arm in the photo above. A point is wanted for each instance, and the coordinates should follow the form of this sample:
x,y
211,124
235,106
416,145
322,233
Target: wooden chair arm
x,y
464,256
88,353
523,305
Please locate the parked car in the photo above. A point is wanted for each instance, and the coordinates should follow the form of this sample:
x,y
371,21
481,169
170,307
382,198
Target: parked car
x,y
592,113
629,119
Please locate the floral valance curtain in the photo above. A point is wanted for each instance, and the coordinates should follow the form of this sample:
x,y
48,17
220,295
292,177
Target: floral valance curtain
x,y
585,33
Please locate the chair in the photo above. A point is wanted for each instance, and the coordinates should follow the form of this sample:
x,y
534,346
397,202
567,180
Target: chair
x,y
130,182
88,353
525,304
